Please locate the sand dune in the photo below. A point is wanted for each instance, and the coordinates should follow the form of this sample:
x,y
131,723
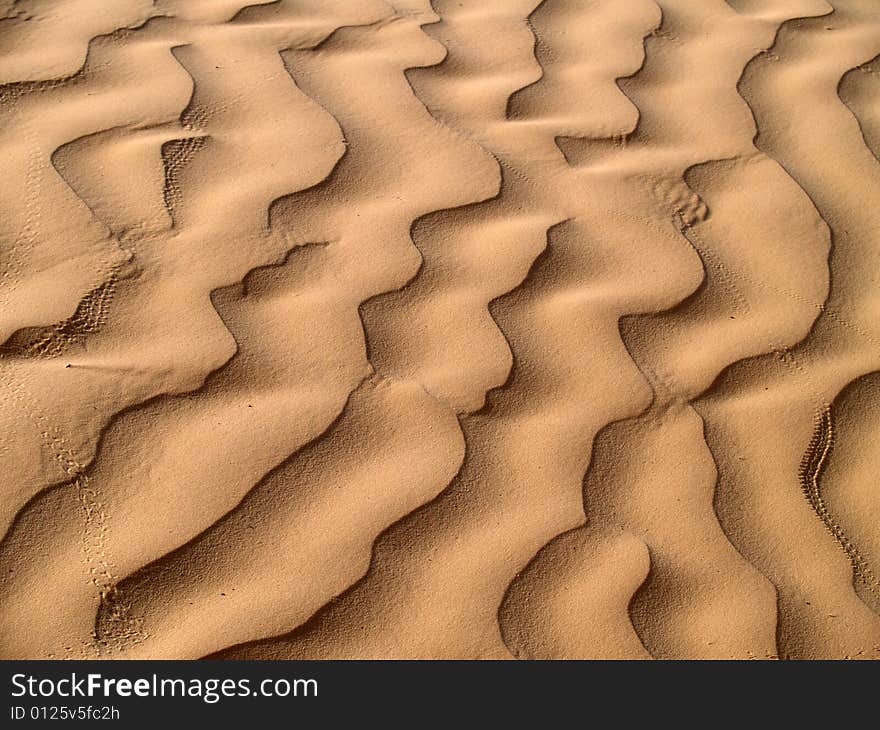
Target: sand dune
x,y
453,329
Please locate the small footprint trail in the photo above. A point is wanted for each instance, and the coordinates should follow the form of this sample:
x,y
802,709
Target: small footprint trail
x,y
662,344
810,474
779,395
452,329
102,365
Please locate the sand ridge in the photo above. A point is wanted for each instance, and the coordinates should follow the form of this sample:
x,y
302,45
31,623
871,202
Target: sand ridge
x,y
397,328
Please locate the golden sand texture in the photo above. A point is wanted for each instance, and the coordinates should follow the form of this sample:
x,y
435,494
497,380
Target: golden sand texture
x,y
451,329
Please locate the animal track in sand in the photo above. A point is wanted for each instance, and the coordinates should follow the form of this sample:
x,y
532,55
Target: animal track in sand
x,y
810,474
451,329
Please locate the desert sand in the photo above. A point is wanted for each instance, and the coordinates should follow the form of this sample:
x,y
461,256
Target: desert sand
x,y
479,329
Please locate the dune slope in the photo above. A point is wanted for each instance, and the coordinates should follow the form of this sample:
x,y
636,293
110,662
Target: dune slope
x,y
482,329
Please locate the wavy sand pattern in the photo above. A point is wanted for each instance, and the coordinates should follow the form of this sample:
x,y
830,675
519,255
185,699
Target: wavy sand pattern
x,y
440,329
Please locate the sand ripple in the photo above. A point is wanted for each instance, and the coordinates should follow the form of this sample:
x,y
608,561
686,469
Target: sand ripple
x,y
398,328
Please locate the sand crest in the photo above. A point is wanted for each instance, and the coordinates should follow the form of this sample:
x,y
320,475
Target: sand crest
x,y
440,329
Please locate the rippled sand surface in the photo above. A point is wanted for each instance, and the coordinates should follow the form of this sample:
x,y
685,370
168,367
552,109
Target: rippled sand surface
x,y
451,329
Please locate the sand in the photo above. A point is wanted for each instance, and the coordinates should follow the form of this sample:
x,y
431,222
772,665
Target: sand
x,y
479,329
